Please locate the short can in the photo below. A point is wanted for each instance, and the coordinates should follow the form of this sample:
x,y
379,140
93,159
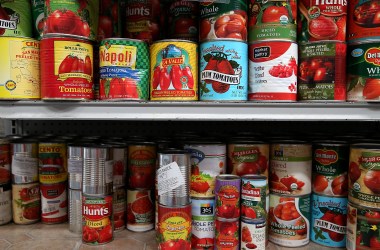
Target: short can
x,y
272,71
223,71
20,68
203,223
227,196
75,211
254,190
227,233
5,162
183,20
119,154
322,72
124,69
119,208
26,203
16,18
54,203
5,203
52,161
38,15
174,70
289,220
75,166
253,234
110,21
24,164
140,210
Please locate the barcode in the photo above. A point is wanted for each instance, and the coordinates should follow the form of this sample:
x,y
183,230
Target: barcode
x,y
48,210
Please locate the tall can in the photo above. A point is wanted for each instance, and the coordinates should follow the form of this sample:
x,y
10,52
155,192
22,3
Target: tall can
x,y
227,233
52,161
75,210
254,189
119,208
26,203
24,164
203,223
227,196
38,15
109,20
119,154
5,161
75,166
183,20
141,165
5,203
140,210
253,234
54,203
16,18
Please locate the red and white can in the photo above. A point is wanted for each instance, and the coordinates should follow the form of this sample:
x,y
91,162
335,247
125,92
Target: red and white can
x,y
54,203
253,234
140,210
226,234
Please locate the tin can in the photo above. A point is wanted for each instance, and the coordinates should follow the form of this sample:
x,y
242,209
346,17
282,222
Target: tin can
x,y
174,225
227,196
5,162
119,208
54,203
289,223
140,210
24,162
75,211
208,160
52,162
119,155
330,161
272,71
226,234
26,203
203,223
73,17
223,19
141,165
5,203
20,68
183,20
97,217
16,18
70,76
254,197
322,72
109,20
290,168
253,234
38,8
124,69
75,166
174,70
223,71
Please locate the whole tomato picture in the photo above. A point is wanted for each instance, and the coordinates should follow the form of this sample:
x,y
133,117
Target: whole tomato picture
x,y
274,14
354,172
231,26
316,70
367,14
332,216
371,88
372,181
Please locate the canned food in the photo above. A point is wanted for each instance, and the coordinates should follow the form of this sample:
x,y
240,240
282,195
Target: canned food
x,y
226,234
20,68
109,20
124,69
272,71
141,165
183,20
38,16
5,162
24,162
119,208
227,195
5,203
174,70
66,68
54,203
203,223
254,197
253,234
26,203
52,162
119,155
75,166
16,18
140,210
75,211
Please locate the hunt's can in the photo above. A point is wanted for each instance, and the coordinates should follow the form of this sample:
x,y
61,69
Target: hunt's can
x,y
223,71
38,16
52,162
66,68
5,203
253,234
227,196
16,18
140,210
75,211
54,203
203,223
119,208
124,69
26,203
183,20
5,162
174,70
20,68
226,234
254,197
119,154
109,20
24,161
272,71
75,166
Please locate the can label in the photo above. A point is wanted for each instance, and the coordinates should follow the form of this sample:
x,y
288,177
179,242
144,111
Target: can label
x,y
15,18
26,203
273,71
226,234
24,169
5,203
203,223
52,162
174,70
54,203
109,20
322,72
38,15
140,210
223,71
5,167
253,234
119,157
253,198
183,20
227,194
119,208
141,166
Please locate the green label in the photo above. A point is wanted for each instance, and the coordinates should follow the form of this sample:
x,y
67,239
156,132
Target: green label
x,y
317,50
19,18
363,60
246,154
330,160
316,91
364,197
209,10
261,32
370,160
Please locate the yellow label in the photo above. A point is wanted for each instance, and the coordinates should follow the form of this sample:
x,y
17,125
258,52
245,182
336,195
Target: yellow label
x,y
98,223
118,55
52,179
174,228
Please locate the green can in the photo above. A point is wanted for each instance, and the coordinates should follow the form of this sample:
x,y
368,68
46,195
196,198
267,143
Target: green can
x,y
15,18
38,17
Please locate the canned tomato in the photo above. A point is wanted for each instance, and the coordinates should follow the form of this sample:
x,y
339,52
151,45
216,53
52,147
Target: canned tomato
x,y
322,72
203,223
174,70
183,20
24,162
16,18
290,168
223,71
119,154
38,16
75,166
253,234
5,203
272,71
26,203
254,197
52,162
227,195
119,208
289,220
140,210
75,211
330,161
5,162
226,234
141,165
174,227
54,203
109,19
124,69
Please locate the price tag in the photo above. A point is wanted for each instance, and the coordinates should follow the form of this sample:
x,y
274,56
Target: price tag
x,y
169,177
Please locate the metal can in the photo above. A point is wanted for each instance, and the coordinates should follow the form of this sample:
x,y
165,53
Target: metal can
x,y
119,154
26,203
253,234
24,162
174,70
226,234
254,197
290,168
5,203
140,210
75,211
5,162
119,208
203,223
223,71
183,20
124,69
288,218
109,20
75,166
322,72
66,68
20,68
16,18
52,162
54,203
38,9
272,71
227,196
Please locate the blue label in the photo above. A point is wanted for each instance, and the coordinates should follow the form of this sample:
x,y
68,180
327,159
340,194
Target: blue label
x,y
196,154
357,52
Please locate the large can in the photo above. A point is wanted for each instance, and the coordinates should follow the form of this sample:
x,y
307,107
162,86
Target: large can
x,y
38,9
124,69
54,203
140,210
174,70
227,196
119,208
75,166
253,234
203,223
5,203
226,234
16,18
66,68
52,162
272,71
26,203
183,20
109,20
75,211
254,197
5,162
24,161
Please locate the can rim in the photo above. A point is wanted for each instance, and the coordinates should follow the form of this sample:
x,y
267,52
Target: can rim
x,y
228,177
253,177
173,40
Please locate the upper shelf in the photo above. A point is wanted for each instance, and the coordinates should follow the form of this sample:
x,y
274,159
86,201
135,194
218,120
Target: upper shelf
x,y
204,111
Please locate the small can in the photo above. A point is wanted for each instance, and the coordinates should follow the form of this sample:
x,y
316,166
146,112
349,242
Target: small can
x,y
322,72
272,71
289,220
16,18
119,154
54,203
140,210
254,197
223,71
5,203
290,168
226,234
227,196
75,166
52,162
38,15
203,223
109,20
5,162
119,208
26,203
75,211
174,70
24,162
97,217
253,234
183,20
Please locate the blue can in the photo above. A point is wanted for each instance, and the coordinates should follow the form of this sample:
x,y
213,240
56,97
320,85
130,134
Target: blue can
x,y
223,71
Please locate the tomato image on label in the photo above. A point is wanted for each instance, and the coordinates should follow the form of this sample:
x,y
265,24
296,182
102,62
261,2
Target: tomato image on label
x,y
226,234
227,202
199,181
367,14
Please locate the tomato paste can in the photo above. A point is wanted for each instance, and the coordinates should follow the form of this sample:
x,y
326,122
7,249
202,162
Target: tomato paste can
x,y
119,154
16,18
97,217
24,164
223,71
272,71
75,210
75,166
254,197
322,72
5,161
208,160
124,69
289,220
174,70
290,168
109,19
174,227
119,208
66,68
52,161
226,234
253,234
140,210
227,196
183,20
38,15
203,223
330,167
26,203
5,203
54,203
73,17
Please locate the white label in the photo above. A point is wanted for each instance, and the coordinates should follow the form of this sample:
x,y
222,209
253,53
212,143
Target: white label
x,y
75,166
109,171
5,207
169,177
54,207
24,166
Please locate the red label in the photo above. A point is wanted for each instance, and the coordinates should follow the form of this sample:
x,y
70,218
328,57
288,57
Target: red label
x,y
228,202
226,234
373,56
325,157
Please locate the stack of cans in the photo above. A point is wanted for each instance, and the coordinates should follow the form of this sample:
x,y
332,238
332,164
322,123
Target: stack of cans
x,y
5,182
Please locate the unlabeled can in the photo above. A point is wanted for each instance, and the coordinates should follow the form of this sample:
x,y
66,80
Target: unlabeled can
x,y
26,203
5,162
75,210
223,70
141,165
119,208
253,234
52,161
227,196
5,203
174,70
183,20
203,223
254,190
75,166
38,16
140,210
24,164
54,203
110,22
226,234
119,154
272,71
16,18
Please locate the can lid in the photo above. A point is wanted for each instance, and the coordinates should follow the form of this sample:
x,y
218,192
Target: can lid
x,y
330,143
289,142
252,221
253,177
228,177
246,141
